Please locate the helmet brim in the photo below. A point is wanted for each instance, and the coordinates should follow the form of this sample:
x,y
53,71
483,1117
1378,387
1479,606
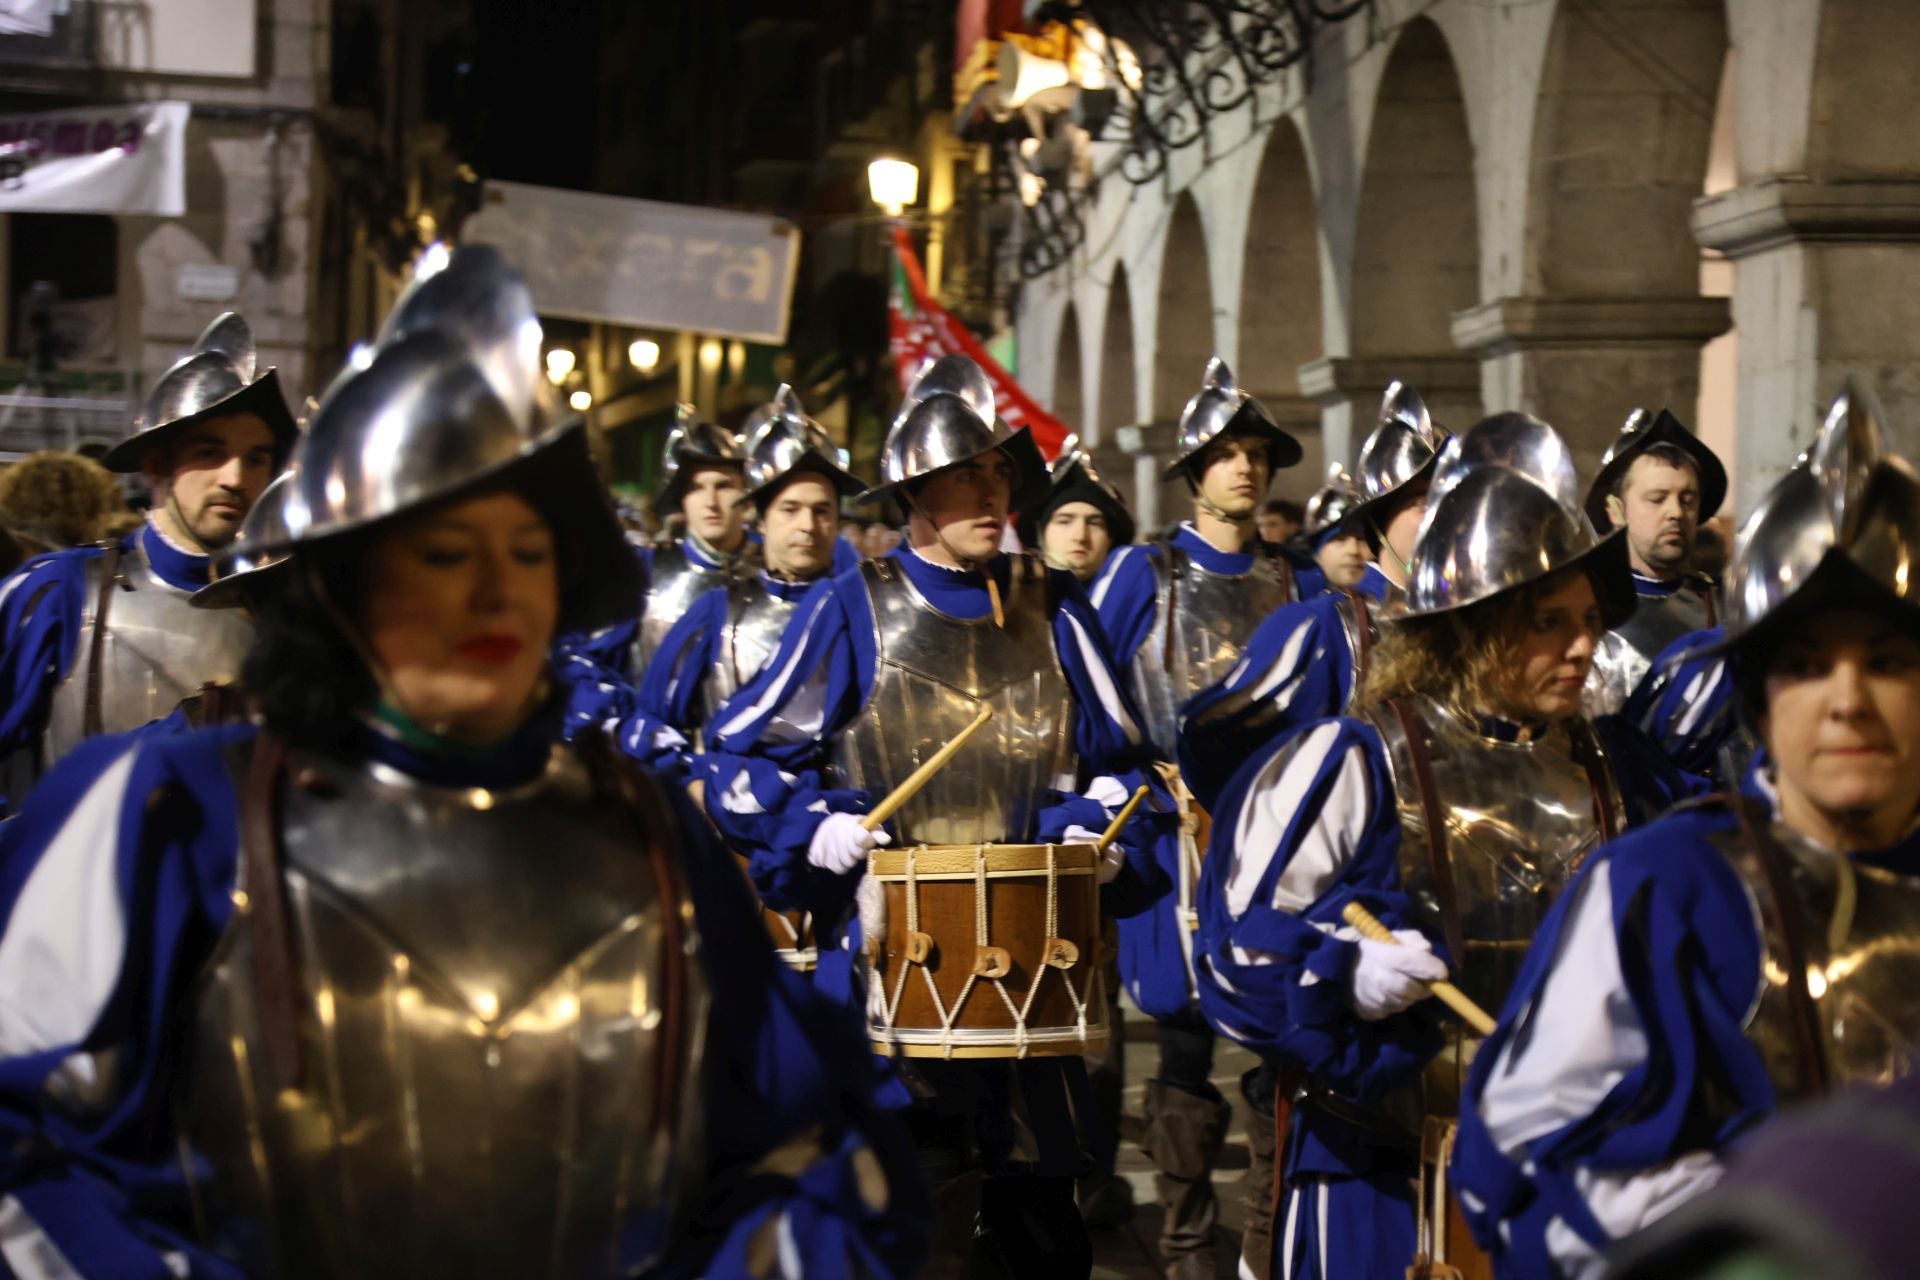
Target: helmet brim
x,y
261,397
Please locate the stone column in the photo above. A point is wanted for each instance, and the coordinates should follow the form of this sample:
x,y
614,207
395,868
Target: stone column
x,y
1827,284
1583,364
1349,388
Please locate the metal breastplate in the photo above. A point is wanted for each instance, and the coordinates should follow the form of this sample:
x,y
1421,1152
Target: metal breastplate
x,y
756,619
1859,943
1519,820
931,674
158,650
1624,655
499,1053
677,581
1201,621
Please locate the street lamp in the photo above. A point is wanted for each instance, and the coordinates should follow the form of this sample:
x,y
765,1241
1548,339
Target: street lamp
x,y
893,184
559,365
643,354
581,401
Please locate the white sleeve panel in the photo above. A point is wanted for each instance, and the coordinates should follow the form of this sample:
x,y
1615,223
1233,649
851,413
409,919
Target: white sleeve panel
x,y
65,943
1327,843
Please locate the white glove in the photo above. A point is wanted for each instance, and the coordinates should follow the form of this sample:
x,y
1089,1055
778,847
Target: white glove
x,y
840,843
1111,859
1108,792
1389,978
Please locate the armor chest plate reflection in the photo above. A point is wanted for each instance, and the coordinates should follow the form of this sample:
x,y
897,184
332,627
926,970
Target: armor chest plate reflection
x,y
159,650
932,673
677,581
756,619
1858,930
490,1084
1625,654
1519,819
1201,622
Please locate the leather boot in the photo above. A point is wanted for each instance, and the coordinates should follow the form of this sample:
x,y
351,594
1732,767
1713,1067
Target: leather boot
x,y
1256,1242
1185,1132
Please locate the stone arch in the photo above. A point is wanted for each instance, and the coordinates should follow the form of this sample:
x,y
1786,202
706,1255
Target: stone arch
x,y
1069,396
1281,325
1614,315
1416,249
1621,131
1183,326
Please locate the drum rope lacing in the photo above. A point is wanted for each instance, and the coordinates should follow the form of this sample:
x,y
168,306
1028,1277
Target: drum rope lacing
x,y
1019,1013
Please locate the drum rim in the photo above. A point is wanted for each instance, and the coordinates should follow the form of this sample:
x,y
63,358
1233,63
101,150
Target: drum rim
x,y
962,861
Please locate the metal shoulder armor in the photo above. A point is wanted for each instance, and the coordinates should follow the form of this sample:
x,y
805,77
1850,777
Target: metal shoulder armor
x,y
932,672
1201,622
1837,999
151,651
1624,655
496,1007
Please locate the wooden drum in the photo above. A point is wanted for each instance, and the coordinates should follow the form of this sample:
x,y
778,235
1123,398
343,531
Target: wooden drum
x,y
987,951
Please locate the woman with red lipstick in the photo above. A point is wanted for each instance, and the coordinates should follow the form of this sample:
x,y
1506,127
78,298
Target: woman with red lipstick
x,y
1453,804
1745,952
392,982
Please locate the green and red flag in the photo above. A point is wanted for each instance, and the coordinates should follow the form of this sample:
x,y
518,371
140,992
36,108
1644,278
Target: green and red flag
x,y
920,331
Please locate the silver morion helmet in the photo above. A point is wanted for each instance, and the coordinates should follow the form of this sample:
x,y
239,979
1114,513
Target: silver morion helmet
x,y
692,443
217,378
1505,511
1401,450
1330,504
262,544
947,418
1644,431
1842,528
1219,410
783,441
451,401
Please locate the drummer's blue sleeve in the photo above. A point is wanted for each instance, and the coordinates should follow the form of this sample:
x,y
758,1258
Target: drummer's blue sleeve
x,y
1110,742
1125,595
115,879
1297,667
1619,1072
42,607
1307,826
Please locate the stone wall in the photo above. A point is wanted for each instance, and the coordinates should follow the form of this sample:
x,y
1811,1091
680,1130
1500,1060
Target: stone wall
x,y
1506,206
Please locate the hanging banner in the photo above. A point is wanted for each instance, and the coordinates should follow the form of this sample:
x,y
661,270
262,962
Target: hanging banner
x,y
130,159
644,263
920,330
26,17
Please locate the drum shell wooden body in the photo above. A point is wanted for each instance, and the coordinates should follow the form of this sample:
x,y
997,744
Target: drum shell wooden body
x,y
791,932
1066,1016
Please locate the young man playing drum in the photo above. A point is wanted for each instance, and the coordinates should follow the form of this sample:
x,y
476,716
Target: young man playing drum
x,y
881,668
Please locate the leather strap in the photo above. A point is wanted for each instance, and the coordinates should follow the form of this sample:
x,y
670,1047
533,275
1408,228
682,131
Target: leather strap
x,y
1175,563
1712,598
1436,815
276,986
1363,640
1754,829
1586,749
90,719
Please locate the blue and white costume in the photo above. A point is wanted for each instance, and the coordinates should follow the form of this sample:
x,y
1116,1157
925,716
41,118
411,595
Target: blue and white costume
x,y
1453,832
117,884
1718,964
1686,705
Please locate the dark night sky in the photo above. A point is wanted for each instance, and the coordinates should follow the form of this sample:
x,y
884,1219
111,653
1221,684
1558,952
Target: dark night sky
x,y
535,71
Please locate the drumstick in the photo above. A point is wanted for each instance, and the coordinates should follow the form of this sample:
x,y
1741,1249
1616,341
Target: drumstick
x,y
919,777
1112,832
1453,997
